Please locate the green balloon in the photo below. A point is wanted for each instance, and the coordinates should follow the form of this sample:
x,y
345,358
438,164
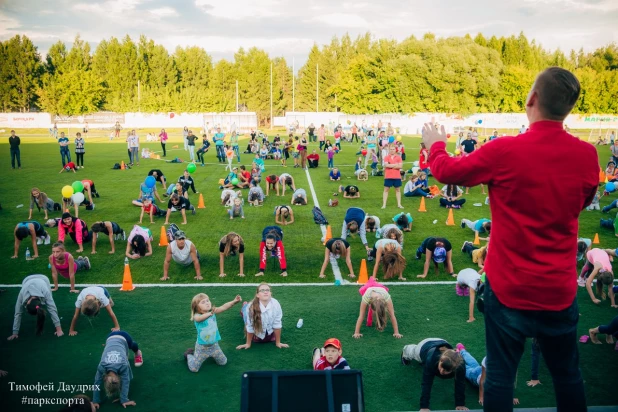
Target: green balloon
x,y
235,181
77,186
191,168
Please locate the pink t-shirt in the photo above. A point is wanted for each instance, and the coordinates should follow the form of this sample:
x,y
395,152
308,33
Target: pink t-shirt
x,y
392,173
599,255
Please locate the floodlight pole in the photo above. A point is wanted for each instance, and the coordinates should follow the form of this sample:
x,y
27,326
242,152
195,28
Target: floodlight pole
x,y
317,90
271,94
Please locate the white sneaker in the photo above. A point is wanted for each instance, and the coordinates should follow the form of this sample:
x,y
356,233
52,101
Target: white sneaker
x,y
48,239
124,236
39,241
93,206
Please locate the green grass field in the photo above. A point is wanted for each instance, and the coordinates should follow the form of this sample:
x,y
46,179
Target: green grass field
x,y
159,318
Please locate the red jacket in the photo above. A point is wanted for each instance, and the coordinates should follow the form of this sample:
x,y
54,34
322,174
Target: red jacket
x,y
538,184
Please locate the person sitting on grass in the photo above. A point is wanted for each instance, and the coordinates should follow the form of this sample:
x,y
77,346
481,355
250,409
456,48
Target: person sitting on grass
x,y
478,254
183,252
256,195
109,228
262,319
236,210
350,192
335,175
177,203
89,303
475,373
114,371
35,296
376,301
272,182
438,250
272,246
35,231
68,168
285,179
403,221
610,331
329,356
480,226
414,187
139,243
313,159
62,262
388,252
204,316
337,248
438,359
451,197
299,198
468,283
230,245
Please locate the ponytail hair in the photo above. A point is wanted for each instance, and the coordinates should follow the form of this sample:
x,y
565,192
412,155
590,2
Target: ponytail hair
x,y
381,313
450,360
255,314
392,263
35,308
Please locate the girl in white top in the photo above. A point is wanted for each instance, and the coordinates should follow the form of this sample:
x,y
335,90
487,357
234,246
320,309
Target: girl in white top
x,y
391,231
228,196
299,197
375,298
372,224
286,180
469,278
89,302
388,252
263,319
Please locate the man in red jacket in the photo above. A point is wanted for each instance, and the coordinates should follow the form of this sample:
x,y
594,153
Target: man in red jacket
x,y
531,263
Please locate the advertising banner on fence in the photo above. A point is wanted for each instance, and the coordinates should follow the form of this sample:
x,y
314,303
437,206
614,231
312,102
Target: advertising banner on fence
x,y
101,118
24,120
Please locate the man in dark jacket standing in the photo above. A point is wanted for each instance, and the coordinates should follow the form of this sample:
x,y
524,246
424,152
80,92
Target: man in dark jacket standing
x,y
14,142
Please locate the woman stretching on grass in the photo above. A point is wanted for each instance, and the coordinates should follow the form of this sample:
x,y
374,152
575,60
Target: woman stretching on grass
x,y
89,303
336,248
61,262
230,245
35,296
284,215
262,319
272,246
468,283
376,299
138,243
388,252
42,202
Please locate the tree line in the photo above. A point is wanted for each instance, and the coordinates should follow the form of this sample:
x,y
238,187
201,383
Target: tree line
x,y
454,75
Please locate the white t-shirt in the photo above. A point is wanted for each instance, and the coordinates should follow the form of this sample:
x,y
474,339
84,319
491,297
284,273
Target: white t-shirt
x,y
469,277
283,177
96,291
182,256
230,192
383,242
483,364
459,191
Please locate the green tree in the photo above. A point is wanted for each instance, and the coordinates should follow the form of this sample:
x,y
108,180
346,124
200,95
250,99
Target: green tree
x,y
21,73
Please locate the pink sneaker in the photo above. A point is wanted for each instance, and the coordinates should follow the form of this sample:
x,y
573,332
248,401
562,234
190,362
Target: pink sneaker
x,y
139,361
460,347
459,290
466,291
581,282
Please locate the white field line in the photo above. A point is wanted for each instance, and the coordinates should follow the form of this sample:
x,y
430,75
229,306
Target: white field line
x,y
333,262
232,285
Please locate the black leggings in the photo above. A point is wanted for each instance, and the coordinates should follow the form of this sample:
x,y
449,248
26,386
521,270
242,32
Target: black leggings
x,y
163,147
611,329
80,159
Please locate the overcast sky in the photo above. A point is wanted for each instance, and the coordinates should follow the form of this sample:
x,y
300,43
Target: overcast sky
x,y
289,28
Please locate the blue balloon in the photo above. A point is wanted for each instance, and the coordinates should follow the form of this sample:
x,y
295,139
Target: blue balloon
x,y
610,186
391,139
480,121
150,181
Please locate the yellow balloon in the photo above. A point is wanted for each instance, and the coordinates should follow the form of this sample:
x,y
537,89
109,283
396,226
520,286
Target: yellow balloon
x,y
67,191
457,152
399,138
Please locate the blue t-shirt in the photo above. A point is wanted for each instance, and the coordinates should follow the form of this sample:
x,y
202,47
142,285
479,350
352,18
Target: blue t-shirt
x,y
219,139
207,331
63,140
335,176
479,225
355,214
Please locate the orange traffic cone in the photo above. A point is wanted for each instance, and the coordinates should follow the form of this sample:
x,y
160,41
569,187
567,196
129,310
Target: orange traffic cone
x,y
127,281
602,177
67,211
175,146
422,208
477,241
200,203
163,239
450,221
362,273
122,165
329,234
595,241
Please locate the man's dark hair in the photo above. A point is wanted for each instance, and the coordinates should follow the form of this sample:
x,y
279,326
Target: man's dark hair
x,y
558,90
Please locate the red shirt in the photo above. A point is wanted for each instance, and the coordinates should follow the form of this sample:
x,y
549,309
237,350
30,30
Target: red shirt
x,y
147,208
421,161
246,174
313,156
535,207
69,166
392,173
269,180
